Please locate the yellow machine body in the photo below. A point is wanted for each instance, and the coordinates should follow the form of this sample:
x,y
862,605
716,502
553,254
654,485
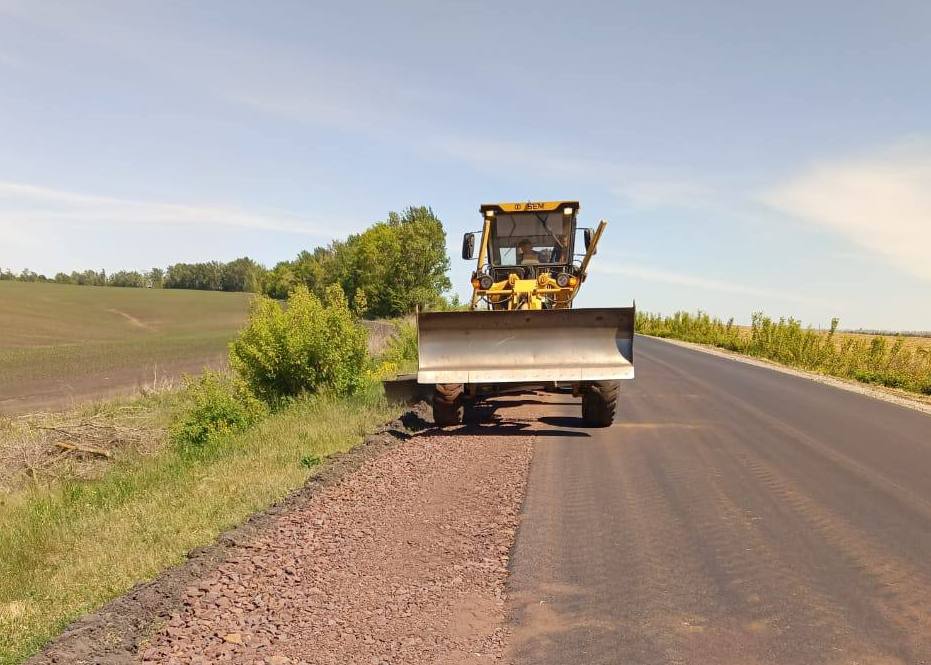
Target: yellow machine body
x,y
520,328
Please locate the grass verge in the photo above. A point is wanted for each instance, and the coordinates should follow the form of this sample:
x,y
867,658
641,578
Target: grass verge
x,y
68,548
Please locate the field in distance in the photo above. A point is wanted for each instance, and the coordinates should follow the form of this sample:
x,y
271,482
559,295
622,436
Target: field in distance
x,y
62,344
912,340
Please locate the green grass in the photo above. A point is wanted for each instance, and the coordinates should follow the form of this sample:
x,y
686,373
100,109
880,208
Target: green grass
x,y
75,339
892,361
69,548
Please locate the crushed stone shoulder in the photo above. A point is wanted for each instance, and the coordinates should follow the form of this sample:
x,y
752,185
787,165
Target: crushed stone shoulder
x,y
112,634
397,552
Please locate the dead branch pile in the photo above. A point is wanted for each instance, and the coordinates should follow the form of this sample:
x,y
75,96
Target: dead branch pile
x,y
41,448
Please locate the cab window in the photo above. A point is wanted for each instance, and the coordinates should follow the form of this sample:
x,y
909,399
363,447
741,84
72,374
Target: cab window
x,y
530,237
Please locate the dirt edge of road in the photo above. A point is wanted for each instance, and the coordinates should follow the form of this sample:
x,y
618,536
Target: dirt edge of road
x,y
114,633
899,397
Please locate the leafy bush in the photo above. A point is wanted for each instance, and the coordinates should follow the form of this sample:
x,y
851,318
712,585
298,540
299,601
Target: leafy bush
x,y
307,347
217,404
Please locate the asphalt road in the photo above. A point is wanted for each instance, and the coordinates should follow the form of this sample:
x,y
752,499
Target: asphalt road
x,y
733,514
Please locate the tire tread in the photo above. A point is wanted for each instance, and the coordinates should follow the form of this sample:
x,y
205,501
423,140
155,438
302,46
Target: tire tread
x,y
447,404
599,403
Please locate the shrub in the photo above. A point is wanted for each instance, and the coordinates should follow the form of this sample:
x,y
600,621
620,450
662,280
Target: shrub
x,y
310,346
217,404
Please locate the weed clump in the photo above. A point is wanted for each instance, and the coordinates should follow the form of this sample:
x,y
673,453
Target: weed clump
x,y
217,405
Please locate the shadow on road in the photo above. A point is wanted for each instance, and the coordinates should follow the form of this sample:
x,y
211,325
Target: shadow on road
x,y
524,401
566,421
498,428
484,419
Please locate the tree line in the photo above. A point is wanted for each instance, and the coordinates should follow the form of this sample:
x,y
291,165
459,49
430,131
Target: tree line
x,y
389,269
240,275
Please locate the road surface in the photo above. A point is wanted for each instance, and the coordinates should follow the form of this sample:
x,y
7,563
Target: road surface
x,y
733,514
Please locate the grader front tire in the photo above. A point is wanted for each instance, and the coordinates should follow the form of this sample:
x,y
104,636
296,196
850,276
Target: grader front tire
x,y
599,403
448,409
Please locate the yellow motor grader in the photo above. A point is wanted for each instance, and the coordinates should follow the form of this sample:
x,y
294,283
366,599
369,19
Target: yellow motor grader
x,y
521,332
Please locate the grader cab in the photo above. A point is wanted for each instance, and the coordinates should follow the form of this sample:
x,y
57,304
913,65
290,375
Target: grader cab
x,y
521,332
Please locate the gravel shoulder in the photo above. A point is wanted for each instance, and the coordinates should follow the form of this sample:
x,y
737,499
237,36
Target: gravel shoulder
x,y
396,553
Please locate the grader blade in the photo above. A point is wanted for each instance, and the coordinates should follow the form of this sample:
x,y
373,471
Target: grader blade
x,y
564,345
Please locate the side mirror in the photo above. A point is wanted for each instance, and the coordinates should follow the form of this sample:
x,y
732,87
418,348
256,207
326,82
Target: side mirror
x,y
468,246
588,239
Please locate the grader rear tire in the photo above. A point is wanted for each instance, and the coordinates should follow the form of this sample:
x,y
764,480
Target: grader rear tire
x,y
599,403
447,404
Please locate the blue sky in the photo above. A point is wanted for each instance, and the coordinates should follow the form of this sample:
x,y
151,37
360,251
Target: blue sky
x,y
748,156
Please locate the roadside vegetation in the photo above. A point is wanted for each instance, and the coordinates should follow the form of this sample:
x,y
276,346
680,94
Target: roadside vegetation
x,y
98,498
400,356
70,547
106,516
893,361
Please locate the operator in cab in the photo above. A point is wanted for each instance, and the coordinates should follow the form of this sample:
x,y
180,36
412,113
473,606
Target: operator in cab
x,y
526,254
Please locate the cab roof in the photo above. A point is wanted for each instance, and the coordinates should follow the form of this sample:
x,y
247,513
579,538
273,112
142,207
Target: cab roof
x,y
527,206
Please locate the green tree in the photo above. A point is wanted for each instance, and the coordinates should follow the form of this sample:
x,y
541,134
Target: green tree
x,y
155,278
242,275
394,266
280,280
129,278
400,263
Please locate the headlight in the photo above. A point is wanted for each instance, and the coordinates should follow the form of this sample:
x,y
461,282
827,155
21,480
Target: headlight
x,y
562,280
485,282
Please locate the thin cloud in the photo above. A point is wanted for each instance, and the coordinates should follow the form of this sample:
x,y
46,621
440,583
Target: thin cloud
x,y
696,282
11,62
640,187
22,203
881,203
